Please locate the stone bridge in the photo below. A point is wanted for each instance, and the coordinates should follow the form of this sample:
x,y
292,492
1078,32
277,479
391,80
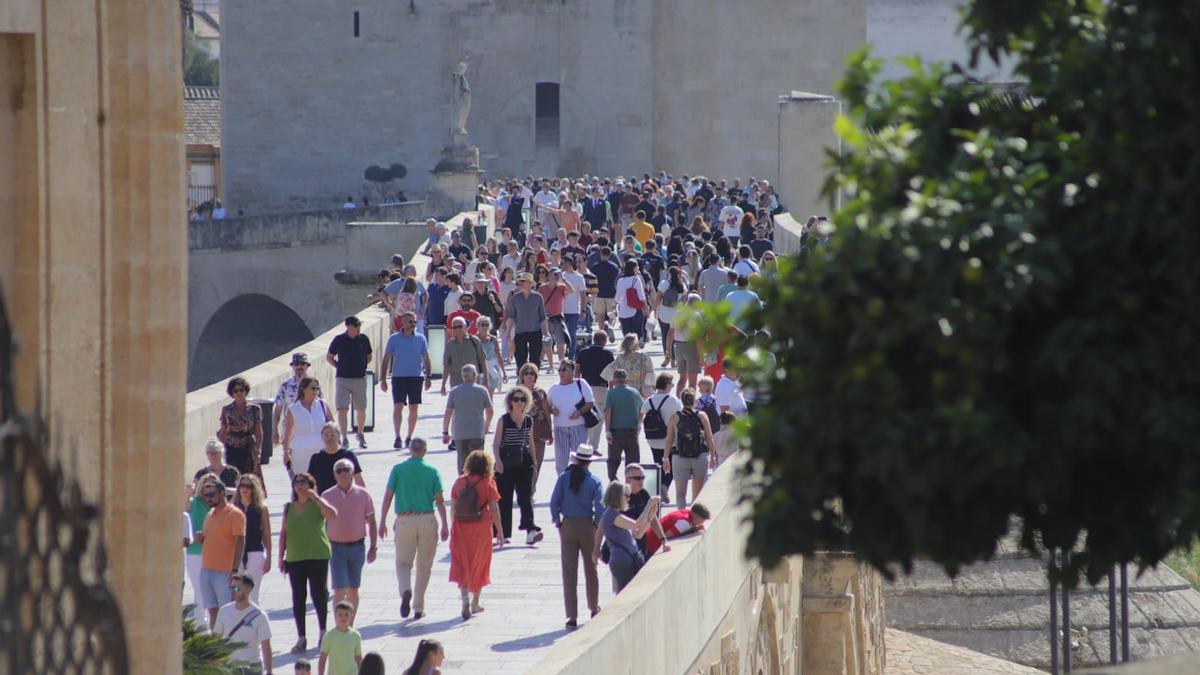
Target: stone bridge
x,y
259,285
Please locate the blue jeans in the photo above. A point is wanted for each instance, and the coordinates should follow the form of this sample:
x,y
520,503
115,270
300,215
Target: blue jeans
x,y
635,324
623,568
572,321
346,563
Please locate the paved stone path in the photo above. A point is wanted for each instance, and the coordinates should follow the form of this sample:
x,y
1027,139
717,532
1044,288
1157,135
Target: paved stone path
x,y
524,605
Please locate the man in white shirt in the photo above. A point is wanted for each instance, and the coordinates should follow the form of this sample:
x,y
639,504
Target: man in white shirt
x,y
218,212
242,621
659,408
745,265
545,198
731,222
729,392
569,428
573,303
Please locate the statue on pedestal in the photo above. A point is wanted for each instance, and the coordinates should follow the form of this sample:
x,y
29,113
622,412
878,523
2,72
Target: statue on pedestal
x,y
459,155
461,100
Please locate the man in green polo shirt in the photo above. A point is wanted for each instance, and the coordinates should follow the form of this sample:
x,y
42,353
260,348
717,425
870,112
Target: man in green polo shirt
x,y
622,421
417,488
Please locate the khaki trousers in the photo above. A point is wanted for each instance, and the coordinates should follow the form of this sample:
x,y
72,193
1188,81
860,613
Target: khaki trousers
x,y
602,311
578,538
416,537
593,434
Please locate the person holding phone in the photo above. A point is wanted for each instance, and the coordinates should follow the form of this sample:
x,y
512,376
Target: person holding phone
x,y
621,532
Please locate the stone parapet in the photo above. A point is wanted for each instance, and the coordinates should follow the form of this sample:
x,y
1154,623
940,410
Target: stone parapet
x,y
294,228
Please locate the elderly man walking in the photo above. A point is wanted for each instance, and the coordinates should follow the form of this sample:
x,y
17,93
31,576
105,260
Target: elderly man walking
x,y
469,406
417,488
569,400
526,313
461,349
349,354
355,521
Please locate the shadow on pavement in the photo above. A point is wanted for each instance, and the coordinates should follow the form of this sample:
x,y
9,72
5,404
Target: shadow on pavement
x,y
531,642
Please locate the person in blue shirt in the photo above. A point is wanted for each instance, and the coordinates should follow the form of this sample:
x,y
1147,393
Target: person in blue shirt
x,y
575,508
407,356
436,309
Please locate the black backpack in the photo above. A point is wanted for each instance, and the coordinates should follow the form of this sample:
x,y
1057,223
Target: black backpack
x,y
653,422
689,435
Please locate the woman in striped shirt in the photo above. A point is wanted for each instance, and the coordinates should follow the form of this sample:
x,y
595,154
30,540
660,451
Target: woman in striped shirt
x,y
511,446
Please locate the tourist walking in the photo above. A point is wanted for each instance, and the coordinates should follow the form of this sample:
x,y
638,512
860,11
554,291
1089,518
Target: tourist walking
x,y
631,300
341,648
302,426
469,407
690,449
476,517
417,487
350,354
685,348
256,560
491,352
571,401
406,358
539,410
575,301
197,510
289,392
623,422
590,365
526,314
428,659
304,553
215,453
636,363
659,408
223,542
605,303
348,533
321,466
622,532
461,349
242,621
242,429
575,508
512,447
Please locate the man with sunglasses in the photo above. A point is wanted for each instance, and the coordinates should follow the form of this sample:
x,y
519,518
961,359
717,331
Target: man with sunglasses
x,y
639,497
223,541
355,521
289,391
243,621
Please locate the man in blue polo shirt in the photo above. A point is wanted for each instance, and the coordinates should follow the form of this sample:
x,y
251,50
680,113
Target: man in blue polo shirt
x,y
407,354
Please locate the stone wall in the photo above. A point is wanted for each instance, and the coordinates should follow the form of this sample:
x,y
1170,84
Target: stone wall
x,y
92,269
294,228
787,233
707,609
928,28
641,87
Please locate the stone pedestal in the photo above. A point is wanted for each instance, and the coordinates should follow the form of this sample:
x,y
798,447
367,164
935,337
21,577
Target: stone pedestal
x,y
455,181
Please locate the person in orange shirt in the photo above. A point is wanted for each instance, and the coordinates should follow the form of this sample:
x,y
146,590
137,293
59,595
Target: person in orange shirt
x,y
642,230
223,542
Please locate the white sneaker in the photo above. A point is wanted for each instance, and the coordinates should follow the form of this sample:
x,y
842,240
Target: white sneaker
x,y
532,537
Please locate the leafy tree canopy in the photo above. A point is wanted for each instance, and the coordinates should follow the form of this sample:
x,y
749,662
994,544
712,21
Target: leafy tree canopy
x,y
1006,321
200,68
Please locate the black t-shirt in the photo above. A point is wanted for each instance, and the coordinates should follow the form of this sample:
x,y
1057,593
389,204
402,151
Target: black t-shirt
x,y
592,361
654,265
353,354
678,236
321,467
637,503
645,207
760,246
459,249
606,277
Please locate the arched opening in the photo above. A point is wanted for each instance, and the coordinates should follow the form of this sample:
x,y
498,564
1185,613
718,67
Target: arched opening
x,y
244,332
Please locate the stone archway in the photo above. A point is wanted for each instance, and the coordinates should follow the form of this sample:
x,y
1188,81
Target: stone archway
x,y
243,332
764,641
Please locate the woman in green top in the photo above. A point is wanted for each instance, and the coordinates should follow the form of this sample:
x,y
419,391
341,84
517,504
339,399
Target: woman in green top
x,y
304,552
197,512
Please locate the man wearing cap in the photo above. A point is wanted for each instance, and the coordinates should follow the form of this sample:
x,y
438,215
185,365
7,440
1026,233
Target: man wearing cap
x,y
622,422
487,303
244,622
466,311
349,354
289,391
526,313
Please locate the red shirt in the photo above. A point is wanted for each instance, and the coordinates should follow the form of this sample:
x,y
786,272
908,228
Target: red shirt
x,y
554,295
471,316
675,523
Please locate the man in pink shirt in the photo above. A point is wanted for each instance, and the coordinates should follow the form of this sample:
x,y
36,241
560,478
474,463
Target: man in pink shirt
x,y
348,532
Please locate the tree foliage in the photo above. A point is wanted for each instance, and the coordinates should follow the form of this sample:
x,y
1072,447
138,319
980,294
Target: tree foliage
x,y
1006,321
200,68
379,174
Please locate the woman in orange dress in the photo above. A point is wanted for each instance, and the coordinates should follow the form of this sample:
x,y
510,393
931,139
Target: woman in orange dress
x,y
475,521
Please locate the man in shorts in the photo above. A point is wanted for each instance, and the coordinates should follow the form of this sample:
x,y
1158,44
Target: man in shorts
x,y
407,356
349,354
348,532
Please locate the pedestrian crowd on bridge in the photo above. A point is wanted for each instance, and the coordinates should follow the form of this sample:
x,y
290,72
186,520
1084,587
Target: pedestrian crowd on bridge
x,y
571,262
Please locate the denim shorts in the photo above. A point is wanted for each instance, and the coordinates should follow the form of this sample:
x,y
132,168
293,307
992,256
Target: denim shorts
x,y
214,588
346,564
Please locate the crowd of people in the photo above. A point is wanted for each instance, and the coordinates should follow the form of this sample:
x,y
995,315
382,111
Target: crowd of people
x,y
571,263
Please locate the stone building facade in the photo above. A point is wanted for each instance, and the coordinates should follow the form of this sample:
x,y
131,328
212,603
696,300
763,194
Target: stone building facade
x,y
316,92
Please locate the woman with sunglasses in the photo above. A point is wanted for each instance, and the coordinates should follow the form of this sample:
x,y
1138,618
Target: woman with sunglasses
x,y
242,429
539,410
512,448
256,560
304,553
302,427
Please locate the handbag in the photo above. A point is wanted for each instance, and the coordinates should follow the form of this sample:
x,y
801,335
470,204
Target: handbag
x,y
590,418
632,299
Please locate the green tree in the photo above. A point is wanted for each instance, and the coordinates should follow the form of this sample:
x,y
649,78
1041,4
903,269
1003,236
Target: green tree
x,y
200,68
1006,321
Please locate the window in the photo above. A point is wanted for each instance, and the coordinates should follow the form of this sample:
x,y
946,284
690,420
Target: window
x,y
546,115
356,24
